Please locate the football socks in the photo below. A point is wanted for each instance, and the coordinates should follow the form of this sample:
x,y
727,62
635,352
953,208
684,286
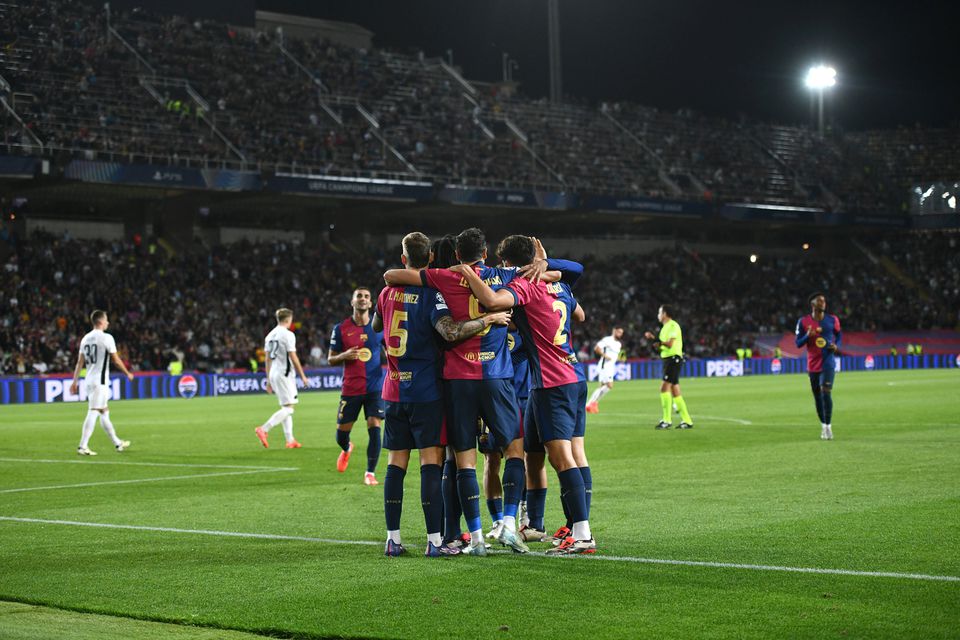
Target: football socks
x,y
587,487
682,408
343,439
431,499
277,417
373,448
514,480
571,488
393,497
827,407
666,403
89,424
108,427
470,500
495,507
536,505
451,502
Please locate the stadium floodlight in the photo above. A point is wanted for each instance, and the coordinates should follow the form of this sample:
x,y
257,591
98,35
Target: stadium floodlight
x,y
753,257
818,79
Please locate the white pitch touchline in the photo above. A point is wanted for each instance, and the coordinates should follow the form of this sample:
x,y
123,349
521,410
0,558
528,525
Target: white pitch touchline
x,y
152,464
638,560
138,480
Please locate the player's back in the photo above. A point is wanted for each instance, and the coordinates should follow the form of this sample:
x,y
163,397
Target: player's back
x,y
543,319
96,347
413,359
610,347
276,347
485,355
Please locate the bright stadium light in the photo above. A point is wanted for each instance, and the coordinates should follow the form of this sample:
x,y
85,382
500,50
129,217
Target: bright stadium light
x,y
818,79
753,257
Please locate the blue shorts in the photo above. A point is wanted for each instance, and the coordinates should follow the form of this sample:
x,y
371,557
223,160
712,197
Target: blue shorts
x,y
531,437
413,425
580,430
349,410
485,442
493,400
824,378
554,411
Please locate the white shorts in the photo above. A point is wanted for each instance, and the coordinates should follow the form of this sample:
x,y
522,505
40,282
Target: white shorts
x,y
606,375
97,395
286,389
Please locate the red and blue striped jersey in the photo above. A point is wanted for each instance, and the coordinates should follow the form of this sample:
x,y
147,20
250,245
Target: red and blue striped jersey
x,y
365,375
409,315
484,356
542,316
827,333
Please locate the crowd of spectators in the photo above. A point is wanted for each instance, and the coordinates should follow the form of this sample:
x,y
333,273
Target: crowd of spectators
x,y
81,90
212,307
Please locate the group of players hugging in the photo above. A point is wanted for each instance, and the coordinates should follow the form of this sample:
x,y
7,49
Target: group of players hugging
x,y
477,357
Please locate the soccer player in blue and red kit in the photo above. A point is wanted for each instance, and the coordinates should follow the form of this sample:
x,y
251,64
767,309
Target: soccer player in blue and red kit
x,y
820,333
356,345
414,411
558,386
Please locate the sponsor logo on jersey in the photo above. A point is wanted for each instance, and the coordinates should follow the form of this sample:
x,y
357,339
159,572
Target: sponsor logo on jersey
x,y
401,376
187,386
364,353
820,342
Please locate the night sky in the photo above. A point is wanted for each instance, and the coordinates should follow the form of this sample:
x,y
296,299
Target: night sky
x,y
897,64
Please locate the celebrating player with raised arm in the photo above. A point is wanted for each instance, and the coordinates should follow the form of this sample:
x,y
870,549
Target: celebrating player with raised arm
x,y
96,348
414,414
558,387
355,344
280,349
820,333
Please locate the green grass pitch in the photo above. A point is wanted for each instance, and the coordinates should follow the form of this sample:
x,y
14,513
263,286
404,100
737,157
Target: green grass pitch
x,y
751,484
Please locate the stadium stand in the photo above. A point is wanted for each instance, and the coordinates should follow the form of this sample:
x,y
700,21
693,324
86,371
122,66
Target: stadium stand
x,y
164,89
214,305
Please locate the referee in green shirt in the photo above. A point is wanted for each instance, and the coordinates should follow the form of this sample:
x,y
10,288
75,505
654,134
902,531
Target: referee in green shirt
x,y
670,345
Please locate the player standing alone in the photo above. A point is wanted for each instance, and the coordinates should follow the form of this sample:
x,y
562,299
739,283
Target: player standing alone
x,y
670,345
356,345
608,350
280,349
95,348
820,333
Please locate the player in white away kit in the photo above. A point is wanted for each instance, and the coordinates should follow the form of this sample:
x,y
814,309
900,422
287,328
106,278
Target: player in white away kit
x,y
608,350
96,348
280,348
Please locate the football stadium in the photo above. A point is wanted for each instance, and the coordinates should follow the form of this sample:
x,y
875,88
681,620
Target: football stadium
x,y
478,320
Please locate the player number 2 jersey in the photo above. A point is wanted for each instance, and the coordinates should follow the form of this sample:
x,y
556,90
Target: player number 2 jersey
x,y
409,315
96,348
277,347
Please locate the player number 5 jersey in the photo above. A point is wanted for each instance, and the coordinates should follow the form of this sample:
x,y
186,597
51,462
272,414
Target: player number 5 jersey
x,y
277,347
96,348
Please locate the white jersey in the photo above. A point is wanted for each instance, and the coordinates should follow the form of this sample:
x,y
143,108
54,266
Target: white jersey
x,y
610,350
278,345
96,347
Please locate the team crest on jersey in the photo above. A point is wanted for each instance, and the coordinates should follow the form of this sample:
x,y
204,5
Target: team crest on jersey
x,y
363,337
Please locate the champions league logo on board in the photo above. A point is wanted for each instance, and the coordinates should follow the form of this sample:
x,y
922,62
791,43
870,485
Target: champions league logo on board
x,y
187,386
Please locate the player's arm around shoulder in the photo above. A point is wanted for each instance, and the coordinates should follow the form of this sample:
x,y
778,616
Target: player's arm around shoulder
x,y
402,278
453,331
499,300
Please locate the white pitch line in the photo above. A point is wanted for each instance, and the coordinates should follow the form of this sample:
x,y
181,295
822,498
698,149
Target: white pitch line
x,y
736,420
151,464
598,558
139,480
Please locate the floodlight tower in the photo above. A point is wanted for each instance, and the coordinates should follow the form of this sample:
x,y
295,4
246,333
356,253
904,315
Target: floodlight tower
x,y
553,26
818,79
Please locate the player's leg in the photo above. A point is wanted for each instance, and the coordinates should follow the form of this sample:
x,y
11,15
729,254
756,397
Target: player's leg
x,y
452,511
463,437
826,390
578,447
90,421
281,388
107,424
426,426
606,386
493,489
285,389
373,412
398,440
502,414
536,480
666,404
347,413
686,422
818,400
556,416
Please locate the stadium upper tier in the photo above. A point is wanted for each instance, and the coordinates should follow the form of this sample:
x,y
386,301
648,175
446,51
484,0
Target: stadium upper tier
x,y
167,90
216,305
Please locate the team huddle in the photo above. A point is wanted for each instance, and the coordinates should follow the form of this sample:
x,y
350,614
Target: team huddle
x,y
478,358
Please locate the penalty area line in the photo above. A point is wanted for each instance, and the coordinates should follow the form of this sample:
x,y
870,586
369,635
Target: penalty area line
x,y
588,558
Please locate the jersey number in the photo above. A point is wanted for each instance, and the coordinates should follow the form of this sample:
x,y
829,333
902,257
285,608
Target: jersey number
x,y
273,348
476,313
90,353
561,338
400,334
